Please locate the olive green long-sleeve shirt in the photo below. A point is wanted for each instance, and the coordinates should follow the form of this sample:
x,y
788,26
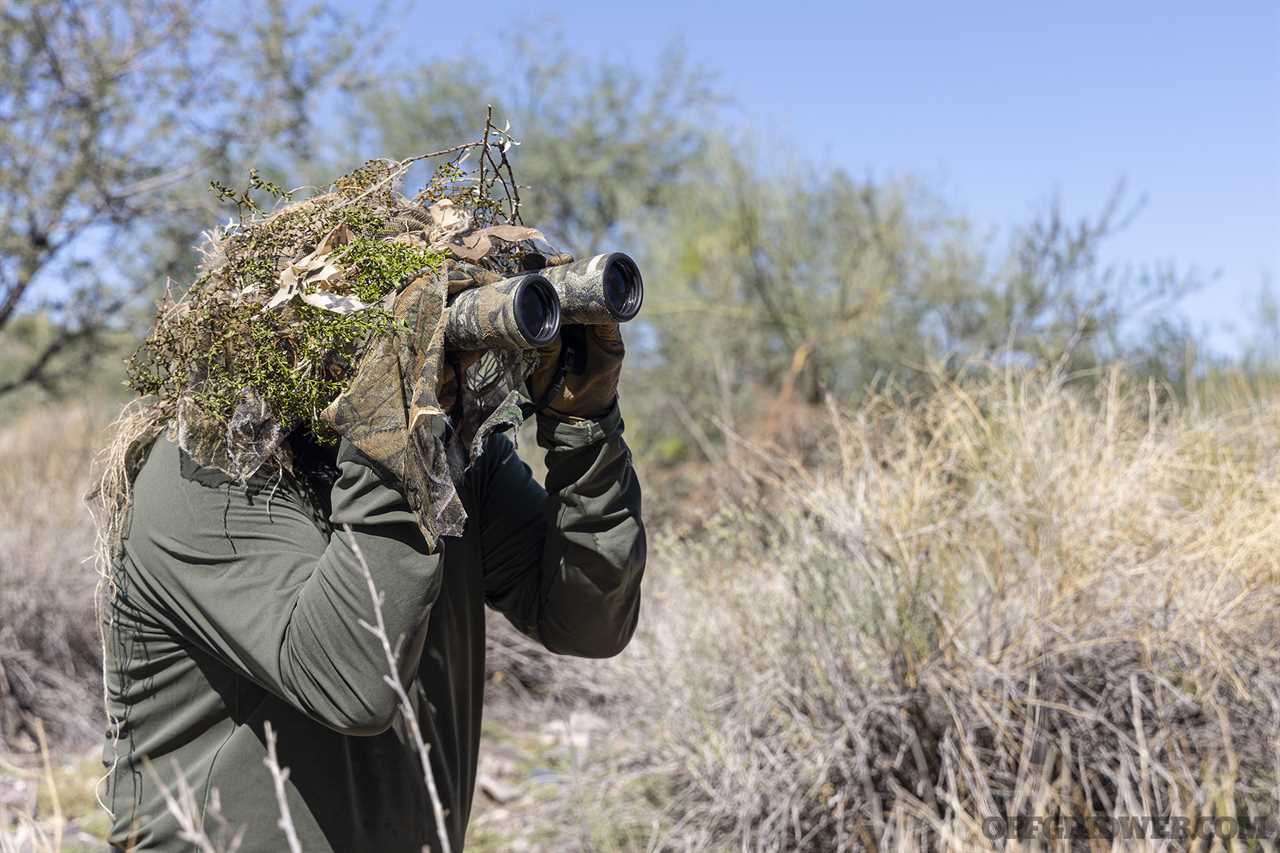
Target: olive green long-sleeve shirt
x,y
241,605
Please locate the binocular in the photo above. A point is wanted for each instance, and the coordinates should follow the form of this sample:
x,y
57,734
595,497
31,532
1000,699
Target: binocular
x,y
526,311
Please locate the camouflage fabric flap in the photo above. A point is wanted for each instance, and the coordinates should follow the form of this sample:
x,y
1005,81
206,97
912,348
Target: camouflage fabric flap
x,y
391,413
463,276
496,398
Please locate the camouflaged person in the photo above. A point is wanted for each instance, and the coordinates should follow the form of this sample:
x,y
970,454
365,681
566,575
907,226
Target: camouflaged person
x,y
240,603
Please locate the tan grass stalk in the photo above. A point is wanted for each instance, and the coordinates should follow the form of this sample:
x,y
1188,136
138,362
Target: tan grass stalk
x,y
379,629
280,776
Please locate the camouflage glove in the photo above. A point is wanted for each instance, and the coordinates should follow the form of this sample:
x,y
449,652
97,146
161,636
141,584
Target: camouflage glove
x,y
578,374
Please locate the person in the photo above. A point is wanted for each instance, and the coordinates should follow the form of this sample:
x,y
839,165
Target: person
x,y
240,605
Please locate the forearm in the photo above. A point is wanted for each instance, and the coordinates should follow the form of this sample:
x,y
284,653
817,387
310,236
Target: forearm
x,y
595,553
566,562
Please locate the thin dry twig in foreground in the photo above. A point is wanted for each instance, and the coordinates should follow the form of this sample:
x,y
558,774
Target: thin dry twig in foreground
x,y
280,775
379,630
184,809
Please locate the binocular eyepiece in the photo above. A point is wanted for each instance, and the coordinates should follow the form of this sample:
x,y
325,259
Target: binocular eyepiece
x,y
525,312
607,288
515,313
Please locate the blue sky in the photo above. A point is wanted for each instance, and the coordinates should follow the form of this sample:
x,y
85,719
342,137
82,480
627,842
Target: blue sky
x,y
1000,106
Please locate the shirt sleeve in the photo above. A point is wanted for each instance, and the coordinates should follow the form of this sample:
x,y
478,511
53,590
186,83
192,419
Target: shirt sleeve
x,y
564,563
250,577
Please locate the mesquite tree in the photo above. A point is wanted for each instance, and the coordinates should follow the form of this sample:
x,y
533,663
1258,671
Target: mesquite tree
x,y
113,118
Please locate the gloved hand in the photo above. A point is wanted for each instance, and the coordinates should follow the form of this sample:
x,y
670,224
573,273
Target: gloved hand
x,y
578,374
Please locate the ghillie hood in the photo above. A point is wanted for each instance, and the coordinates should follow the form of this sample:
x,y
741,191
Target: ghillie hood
x,y
328,314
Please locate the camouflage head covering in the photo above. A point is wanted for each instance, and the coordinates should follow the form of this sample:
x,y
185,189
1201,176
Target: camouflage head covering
x,y
387,402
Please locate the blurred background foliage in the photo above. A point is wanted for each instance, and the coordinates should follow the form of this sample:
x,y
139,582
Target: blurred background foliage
x,y
766,283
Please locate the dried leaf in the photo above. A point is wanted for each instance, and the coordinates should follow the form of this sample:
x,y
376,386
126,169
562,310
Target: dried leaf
x,y
287,290
337,238
447,219
477,244
334,302
311,269
324,273
514,233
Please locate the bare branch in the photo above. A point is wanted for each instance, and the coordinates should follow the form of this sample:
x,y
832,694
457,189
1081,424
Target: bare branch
x,y
279,776
38,371
100,132
379,630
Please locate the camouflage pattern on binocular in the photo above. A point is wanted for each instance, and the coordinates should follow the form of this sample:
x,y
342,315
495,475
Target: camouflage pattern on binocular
x,y
526,311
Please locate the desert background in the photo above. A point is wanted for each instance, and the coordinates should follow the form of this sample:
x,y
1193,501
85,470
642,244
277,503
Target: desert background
x,y
955,396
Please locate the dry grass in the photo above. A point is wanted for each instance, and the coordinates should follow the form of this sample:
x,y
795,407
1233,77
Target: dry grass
x,y
1013,596
49,647
1010,598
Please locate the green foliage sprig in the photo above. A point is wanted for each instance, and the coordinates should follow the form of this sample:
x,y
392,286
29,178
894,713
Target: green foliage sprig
x,y
243,199
219,341
376,266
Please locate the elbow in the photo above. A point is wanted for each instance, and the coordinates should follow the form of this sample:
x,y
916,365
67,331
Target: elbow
x,y
608,630
368,715
602,640
595,649
597,616
611,643
367,725
609,648
359,703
